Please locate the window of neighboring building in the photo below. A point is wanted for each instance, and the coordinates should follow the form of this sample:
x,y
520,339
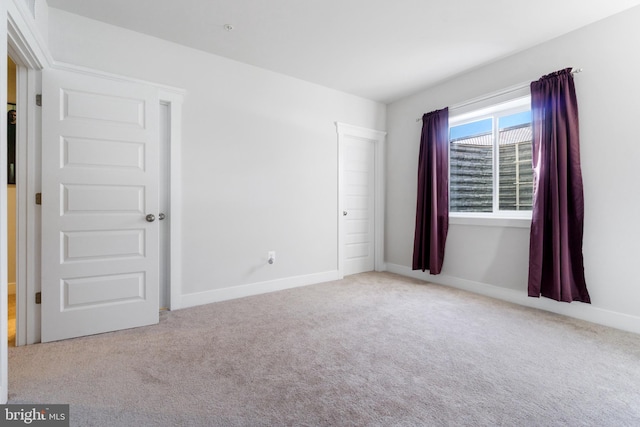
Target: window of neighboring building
x,y
490,160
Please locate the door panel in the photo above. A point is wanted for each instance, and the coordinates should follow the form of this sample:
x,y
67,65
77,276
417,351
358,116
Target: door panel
x,y
96,199
86,245
100,180
359,194
88,153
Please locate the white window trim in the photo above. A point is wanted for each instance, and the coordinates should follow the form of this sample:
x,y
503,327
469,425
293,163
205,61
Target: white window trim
x,y
519,219
515,104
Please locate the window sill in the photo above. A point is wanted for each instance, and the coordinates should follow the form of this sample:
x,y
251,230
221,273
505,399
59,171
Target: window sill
x,y
523,221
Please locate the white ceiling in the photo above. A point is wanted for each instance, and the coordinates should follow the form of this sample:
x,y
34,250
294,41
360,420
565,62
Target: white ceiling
x,y
378,49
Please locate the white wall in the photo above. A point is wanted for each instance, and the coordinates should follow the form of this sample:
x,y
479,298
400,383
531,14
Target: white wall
x,y
259,153
494,260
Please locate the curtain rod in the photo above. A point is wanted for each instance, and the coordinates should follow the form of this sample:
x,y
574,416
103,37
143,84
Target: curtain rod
x,y
497,94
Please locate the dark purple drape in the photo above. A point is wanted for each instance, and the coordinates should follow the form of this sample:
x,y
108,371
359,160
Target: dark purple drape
x,y
432,213
556,268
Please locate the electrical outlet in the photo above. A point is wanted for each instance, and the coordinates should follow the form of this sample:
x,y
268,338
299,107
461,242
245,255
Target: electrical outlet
x,y
271,257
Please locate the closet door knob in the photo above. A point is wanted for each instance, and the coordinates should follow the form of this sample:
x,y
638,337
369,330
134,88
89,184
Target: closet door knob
x,y
150,218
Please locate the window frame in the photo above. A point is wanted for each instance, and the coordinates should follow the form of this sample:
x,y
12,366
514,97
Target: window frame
x,y
516,104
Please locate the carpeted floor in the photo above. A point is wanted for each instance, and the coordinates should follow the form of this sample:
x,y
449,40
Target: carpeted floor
x,y
374,349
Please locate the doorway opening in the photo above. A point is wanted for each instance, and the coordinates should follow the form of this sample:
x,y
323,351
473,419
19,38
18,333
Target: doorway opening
x,y
11,201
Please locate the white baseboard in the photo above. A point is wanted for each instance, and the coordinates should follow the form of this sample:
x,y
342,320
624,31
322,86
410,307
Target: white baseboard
x,y
232,292
11,288
578,310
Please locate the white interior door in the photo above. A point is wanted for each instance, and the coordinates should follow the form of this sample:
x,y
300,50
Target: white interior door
x,y
358,205
99,182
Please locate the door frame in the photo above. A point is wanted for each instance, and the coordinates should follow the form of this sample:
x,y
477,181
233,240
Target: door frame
x,y
18,39
174,98
27,215
378,138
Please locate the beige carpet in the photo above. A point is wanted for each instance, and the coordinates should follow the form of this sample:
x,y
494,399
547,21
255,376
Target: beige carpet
x,y
374,349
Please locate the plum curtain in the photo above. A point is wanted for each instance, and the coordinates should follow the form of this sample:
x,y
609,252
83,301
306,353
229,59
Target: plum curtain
x,y
556,268
432,213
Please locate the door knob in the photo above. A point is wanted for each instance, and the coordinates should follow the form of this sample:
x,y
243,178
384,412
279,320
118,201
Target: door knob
x,y
161,216
150,218
344,213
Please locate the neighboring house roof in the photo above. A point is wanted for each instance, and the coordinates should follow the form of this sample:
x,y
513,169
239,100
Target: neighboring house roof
x,y
512,135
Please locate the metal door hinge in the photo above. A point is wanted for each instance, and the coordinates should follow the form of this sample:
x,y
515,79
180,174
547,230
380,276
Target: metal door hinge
x,y
38,198
38,297
39,100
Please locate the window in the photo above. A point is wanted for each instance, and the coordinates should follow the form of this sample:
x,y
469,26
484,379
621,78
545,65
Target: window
x,y
490,160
